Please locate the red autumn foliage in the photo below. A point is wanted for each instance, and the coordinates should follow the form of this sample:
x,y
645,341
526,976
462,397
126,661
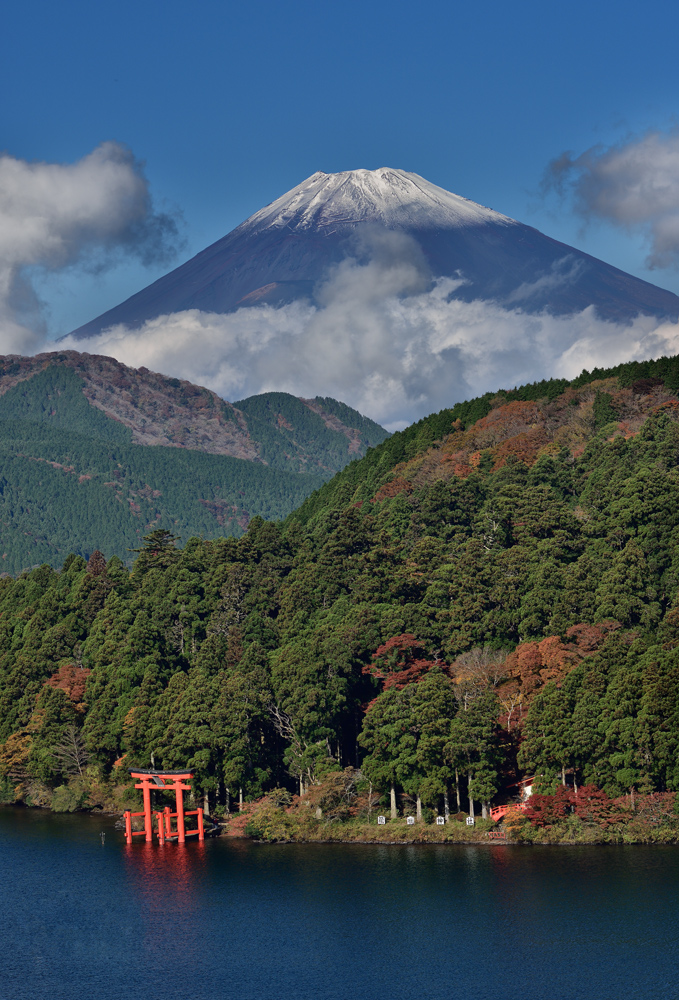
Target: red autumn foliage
x,y
71,679
594,806
507,421
671,407
626,429
461,470
544,810
589,803
392,489
525,446
401,660
588,638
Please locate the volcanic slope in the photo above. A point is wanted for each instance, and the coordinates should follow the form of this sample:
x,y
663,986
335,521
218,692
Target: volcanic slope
x,y
94,454
282,253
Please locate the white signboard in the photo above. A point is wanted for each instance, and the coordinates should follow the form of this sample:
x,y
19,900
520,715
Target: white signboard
x,y
410,821
470,821
381,820
440,820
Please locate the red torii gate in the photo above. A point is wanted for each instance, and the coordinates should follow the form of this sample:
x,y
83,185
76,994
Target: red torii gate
x,y
172,781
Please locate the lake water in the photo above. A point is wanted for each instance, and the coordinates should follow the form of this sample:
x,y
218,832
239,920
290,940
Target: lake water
x,y
241,921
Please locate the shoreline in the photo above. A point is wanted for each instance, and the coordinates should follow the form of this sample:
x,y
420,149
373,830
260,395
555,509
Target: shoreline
x,y
295,829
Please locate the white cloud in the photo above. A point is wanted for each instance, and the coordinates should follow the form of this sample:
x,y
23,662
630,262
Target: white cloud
x,y
384,339
54,216
564,271
634,184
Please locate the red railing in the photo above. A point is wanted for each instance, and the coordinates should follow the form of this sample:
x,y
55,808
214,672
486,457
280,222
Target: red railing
x,y
129,832
499,812
164,822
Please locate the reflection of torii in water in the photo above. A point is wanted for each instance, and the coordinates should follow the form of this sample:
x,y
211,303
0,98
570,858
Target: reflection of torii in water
x,y
172,781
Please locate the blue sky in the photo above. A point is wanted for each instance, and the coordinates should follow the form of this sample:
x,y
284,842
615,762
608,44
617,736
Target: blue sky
x,y
230,105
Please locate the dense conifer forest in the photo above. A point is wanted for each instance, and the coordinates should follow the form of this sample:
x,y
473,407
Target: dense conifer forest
x,y
492,593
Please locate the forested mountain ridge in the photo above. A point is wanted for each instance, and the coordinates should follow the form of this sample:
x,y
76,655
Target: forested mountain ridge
x,y
312,436
74,479
528,423
492,592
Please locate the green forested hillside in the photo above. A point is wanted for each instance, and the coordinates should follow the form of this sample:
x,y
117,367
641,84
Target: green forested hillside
x,y
54,397
292,435
72,480
62,492
494,592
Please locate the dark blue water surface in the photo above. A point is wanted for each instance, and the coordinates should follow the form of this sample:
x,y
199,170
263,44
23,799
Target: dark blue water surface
x,y
232,919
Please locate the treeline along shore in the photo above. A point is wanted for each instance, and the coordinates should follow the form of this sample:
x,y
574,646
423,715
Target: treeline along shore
x,y
489,595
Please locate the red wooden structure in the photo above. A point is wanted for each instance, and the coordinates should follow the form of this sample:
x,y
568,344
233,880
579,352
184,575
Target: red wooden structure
x,y
172,781
499,812
525,786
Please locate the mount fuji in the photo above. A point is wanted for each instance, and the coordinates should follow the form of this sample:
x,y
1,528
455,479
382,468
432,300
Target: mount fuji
x,y
284,252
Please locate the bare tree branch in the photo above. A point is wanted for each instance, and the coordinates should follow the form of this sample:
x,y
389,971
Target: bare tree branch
x,y
71,754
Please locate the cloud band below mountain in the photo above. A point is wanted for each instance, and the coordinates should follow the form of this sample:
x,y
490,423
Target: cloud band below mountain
x,y
382,340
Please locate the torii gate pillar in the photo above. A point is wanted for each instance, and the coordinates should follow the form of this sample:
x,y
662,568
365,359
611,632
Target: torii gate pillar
x,y
148,820
179,789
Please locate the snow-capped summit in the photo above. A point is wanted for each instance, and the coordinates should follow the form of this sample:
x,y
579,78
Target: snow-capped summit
x,y
392,198
282,253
